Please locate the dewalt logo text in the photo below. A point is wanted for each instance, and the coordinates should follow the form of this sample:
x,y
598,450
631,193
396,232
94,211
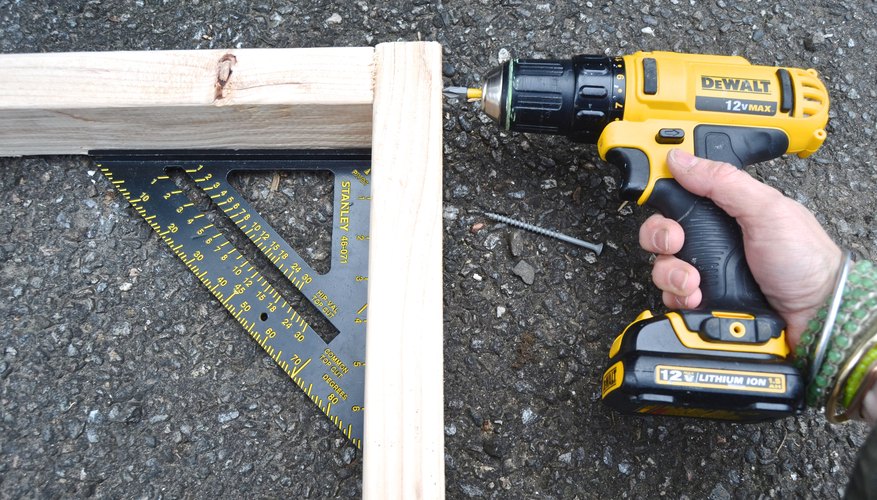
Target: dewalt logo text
x,y
726,84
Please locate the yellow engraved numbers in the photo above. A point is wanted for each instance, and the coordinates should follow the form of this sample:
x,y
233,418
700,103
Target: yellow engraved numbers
x,y
345,253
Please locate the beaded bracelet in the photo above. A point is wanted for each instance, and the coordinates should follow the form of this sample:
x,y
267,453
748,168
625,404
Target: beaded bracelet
x,y
858,304
853,362
855,406
825,335
852,313
856,382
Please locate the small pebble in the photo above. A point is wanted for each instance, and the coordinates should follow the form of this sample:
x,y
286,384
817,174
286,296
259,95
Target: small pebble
x,y
491,241
516,243
525,271
228,416
719,493
548,184
814,42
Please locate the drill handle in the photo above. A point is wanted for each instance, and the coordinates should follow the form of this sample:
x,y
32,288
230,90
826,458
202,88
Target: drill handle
x,y
713,240
713,245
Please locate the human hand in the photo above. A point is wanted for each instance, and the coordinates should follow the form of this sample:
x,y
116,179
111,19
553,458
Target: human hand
x,y
791,257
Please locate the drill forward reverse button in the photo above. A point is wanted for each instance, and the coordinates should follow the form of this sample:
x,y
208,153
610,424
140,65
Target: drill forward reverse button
x,y
670,136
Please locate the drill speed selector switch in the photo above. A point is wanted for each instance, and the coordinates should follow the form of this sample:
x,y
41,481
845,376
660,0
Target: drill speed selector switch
x,y
729,358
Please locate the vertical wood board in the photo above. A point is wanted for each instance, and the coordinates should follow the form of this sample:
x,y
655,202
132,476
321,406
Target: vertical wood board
x,y
404,415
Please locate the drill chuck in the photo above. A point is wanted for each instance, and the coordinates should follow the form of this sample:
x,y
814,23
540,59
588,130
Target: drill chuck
x,y
574,97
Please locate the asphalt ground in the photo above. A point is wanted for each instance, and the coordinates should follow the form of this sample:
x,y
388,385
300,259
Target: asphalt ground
x,y
121,377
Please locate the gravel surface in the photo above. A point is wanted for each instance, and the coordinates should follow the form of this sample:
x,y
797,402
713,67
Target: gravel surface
x,y
120,376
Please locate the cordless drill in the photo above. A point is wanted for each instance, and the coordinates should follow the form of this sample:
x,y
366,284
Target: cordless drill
x,y
728,359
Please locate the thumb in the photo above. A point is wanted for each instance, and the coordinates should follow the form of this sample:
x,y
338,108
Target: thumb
x,y
732,189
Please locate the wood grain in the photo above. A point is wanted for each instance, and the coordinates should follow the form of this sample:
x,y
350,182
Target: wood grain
x,y
70,103
404,403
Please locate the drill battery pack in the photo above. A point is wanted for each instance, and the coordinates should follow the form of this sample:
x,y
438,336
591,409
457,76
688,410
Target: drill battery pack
x,y
726,366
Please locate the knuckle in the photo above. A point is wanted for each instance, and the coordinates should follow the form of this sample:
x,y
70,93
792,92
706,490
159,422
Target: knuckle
x,y
724,172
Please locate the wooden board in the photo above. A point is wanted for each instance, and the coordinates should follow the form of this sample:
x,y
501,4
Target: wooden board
x,y
404,420
70,103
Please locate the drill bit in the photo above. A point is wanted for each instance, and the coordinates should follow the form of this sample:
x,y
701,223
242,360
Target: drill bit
x,y
596,248
470,94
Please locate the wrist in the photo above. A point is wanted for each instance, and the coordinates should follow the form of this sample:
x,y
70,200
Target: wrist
x,y
801,313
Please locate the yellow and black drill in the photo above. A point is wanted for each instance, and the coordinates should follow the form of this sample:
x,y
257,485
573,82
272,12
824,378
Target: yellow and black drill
x,y
729,358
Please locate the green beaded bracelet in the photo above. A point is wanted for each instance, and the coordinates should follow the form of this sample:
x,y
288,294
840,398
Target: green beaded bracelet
x,y
858,376
854,311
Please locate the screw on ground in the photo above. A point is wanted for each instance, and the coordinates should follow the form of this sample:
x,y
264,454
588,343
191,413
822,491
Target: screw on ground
x,y
597,248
